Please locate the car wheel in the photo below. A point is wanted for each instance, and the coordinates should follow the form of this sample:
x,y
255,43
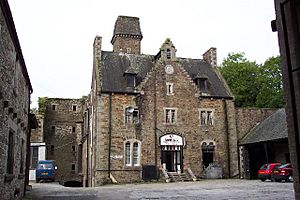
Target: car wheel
x,y
289,179
262,179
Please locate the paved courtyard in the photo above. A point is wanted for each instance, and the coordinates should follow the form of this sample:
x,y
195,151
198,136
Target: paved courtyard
x,y
205,189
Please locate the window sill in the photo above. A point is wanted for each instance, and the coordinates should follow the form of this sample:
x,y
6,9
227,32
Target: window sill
x,y
9,177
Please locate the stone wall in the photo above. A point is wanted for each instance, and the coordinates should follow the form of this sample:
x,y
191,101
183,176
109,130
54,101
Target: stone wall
x,y
248,118
37,135
62,130
14,109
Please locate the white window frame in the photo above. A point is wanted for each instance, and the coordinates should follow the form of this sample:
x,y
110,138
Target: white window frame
x,y
170,88
131,161
131,118
169,119
209,119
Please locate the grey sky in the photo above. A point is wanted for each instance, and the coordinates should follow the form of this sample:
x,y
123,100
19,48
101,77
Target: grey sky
x,y
56,36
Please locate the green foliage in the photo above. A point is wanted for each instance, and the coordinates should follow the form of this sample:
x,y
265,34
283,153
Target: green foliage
x,y
42,103
253,85
83,99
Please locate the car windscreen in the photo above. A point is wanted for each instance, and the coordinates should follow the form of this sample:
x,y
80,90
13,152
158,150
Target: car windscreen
x,y
285,166
45,166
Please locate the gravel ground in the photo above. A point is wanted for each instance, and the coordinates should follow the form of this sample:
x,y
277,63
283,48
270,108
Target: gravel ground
x,y
205,189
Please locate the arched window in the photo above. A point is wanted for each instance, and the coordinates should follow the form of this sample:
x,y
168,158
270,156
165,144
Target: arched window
x,y
132,153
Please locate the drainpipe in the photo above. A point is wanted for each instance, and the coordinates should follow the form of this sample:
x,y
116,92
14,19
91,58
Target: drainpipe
x,y
87,146
227,136
155,126
109,134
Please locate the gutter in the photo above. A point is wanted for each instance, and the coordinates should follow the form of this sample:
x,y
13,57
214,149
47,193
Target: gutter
x,y
227,136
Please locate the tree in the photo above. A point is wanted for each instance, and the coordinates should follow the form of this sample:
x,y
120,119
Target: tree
x,y
271,91
252,84
241,76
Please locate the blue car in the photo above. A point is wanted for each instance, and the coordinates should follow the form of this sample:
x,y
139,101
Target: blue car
x,y
45,170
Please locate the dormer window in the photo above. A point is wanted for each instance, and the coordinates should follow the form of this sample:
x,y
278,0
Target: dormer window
x,y
130,78
168,54
202,84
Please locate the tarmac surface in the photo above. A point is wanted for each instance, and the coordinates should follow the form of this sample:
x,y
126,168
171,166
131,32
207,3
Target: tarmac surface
x,y
220,189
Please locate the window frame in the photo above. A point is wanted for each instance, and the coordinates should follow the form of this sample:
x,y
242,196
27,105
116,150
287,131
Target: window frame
x,y
131,118
132,154
168,116
209,119
170,88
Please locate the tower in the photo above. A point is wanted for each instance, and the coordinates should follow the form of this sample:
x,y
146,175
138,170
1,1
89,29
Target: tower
x,y
127,35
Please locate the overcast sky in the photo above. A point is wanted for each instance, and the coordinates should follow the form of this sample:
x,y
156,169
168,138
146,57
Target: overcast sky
x,y
56,36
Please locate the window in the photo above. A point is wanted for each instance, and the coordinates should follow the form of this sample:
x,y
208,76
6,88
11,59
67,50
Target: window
x,y
170,89
128,50
168,54
74,107
10,153
53,107
135,154
73,167
130,78
206,117
73,129
131,115
202,84
127,154
22,158
132,153
170,115
34,156
73,148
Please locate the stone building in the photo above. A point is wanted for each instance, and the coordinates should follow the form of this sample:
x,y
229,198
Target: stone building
x,y
62,134
155,113
15,119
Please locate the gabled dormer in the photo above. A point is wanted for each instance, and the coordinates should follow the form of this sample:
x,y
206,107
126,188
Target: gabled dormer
x,y
202,83
168,51
130,76
127,35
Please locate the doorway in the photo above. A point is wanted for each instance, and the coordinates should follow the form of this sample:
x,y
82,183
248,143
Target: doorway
x,y
171,158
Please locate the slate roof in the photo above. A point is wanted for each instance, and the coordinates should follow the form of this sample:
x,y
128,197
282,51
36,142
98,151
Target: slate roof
x,y
114,65
272,128
126,25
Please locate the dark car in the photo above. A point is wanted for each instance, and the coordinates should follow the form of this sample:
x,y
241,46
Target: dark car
x,y
265,171
283,172
45,170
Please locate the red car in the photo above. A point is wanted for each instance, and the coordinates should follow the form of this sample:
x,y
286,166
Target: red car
x,y
283,172
265,171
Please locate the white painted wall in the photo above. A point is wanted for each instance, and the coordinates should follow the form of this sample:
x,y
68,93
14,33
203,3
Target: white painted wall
x,y
41,156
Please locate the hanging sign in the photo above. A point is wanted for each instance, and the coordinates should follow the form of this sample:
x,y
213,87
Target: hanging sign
x,y
171,139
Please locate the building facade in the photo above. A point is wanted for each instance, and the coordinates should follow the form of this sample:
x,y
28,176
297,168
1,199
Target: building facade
x,y
157,112
15,124
62,134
